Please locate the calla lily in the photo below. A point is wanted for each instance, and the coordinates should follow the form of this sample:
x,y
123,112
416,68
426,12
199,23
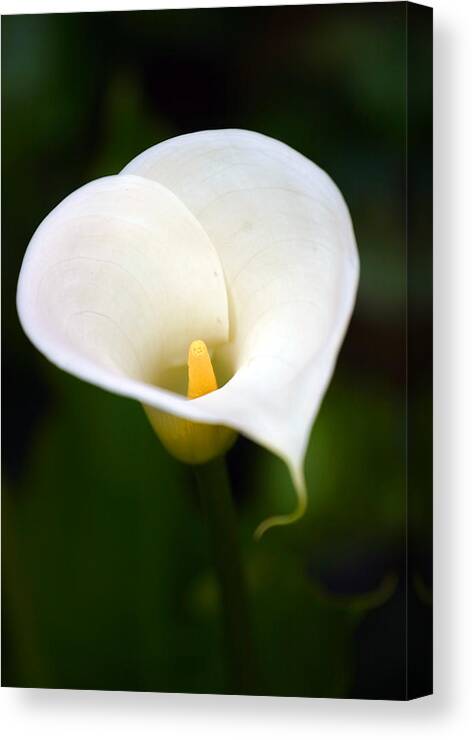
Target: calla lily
x,y
229,237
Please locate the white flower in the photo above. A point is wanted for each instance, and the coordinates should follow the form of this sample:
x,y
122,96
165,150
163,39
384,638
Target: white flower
x,y
225,236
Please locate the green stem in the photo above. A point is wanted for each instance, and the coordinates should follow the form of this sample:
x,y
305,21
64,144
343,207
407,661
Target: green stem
x,y
214,489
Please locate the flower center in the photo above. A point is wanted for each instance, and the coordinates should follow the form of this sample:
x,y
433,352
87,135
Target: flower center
x,y
201,376
190,441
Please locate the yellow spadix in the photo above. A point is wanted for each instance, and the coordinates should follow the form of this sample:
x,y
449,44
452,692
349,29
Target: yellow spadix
x,y
193,442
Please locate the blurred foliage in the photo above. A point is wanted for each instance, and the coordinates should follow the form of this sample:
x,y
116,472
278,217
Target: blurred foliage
x,y
106,573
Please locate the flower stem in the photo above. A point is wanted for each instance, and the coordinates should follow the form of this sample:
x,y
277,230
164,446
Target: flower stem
x,y
214,489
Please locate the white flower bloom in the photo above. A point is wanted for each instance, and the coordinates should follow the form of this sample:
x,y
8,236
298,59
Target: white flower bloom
x,y
226,236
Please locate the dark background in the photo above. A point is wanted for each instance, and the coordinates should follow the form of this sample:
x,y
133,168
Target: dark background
x,y
107,579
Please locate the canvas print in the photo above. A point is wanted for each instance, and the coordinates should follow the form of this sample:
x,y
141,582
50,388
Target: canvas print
x,y
217,344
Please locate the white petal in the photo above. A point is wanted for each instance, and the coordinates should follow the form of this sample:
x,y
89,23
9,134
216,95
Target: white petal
x,y
285,240
117,280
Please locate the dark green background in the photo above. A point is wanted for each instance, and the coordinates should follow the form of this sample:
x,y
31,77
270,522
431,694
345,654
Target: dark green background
x,y
107,578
